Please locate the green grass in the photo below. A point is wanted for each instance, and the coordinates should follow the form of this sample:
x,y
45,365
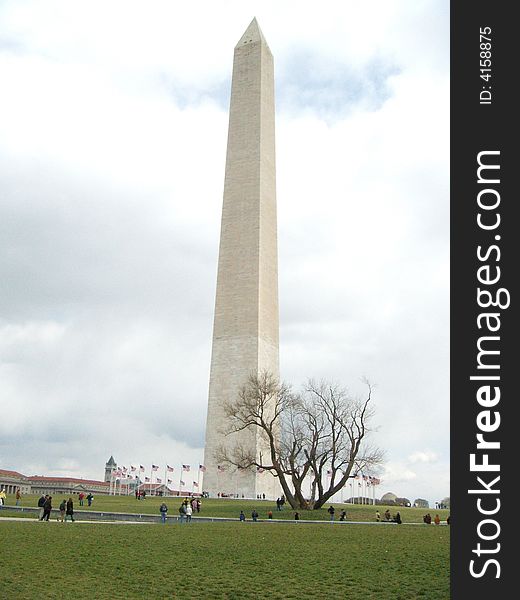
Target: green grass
x,y
232,508
223,560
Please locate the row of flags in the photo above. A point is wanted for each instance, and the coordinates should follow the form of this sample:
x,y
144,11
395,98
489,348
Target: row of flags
x,y
124,471
129,473
368,479
159,480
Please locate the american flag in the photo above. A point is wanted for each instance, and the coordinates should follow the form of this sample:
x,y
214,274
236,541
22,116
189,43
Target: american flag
x,y
195,484
147,479
220,469
185,467
182,482
154,467
202,468
169,469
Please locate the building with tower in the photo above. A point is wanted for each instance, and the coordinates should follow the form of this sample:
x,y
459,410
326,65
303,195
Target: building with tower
x,y
110,466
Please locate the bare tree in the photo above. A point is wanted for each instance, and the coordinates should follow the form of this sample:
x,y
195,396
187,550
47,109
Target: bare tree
x,y
318,435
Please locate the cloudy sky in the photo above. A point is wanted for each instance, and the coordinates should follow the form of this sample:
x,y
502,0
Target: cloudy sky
x,y
113,126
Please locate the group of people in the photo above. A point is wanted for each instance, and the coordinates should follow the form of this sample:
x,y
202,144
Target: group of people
x,y
188,507
437,520
140,494
88,497
66,508
186,510
388,517
254,514
3,496
280,502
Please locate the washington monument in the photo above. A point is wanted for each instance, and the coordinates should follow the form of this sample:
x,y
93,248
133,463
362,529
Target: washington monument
x,y
245,328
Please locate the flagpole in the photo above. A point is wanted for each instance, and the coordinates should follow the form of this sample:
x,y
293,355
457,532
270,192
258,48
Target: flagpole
x,y
180,480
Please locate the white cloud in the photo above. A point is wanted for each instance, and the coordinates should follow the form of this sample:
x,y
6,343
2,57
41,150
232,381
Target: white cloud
x,y
423,457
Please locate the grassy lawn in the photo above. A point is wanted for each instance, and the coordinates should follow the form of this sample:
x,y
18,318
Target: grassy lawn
x,y
223,560
232,508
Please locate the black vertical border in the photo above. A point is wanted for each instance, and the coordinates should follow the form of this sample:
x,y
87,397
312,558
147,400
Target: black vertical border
x,y
478,127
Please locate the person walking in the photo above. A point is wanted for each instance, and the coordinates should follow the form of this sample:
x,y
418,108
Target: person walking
x,y
189,512
62,508
90,497
437,520
242,516
81,497
270,514
163,509
47,507
41,503
296,516
331,510
378,516
70,510
182,512
18,496
397,518
254,515
3,496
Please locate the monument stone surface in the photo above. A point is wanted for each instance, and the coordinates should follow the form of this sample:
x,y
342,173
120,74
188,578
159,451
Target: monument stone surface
x,y
245,329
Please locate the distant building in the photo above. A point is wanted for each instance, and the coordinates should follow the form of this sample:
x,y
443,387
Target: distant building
x,y
421,503
66,485
10,481
40,484
403,502
388,498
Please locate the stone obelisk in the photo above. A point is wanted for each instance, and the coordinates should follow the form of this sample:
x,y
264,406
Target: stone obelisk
x,y
245,329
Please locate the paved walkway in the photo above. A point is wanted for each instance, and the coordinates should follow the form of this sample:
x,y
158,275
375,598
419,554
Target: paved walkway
x,y
143,518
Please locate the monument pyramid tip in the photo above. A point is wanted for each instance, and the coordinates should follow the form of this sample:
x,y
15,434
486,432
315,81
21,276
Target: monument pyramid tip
x,y
252,34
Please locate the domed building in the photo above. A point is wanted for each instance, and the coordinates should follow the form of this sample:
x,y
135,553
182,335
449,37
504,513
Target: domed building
x,y
388,498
